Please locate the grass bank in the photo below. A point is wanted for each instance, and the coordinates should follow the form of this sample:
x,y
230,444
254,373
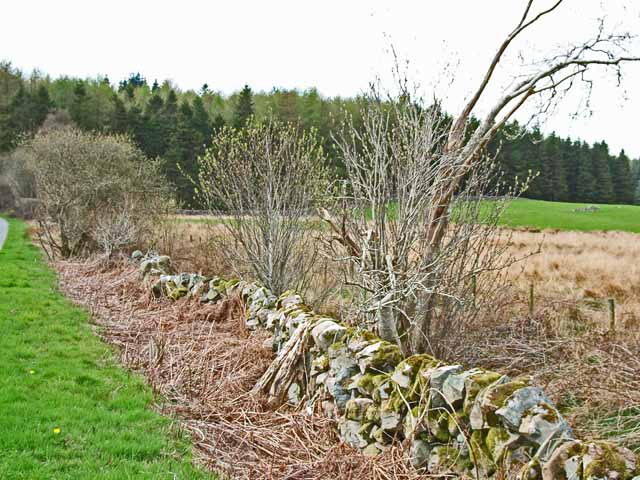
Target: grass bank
x,y
68,411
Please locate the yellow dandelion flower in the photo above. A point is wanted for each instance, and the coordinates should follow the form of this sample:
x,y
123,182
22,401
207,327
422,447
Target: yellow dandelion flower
x,y
56,430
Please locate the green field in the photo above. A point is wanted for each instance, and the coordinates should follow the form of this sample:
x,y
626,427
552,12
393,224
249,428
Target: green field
x,y
536,214
557,215
67,409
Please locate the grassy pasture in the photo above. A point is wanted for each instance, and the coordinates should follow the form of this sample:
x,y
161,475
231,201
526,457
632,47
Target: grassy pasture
x,y
562,216
538,214
68,410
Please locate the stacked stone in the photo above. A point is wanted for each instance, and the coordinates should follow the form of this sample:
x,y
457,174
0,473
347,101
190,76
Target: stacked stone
x,y
456,420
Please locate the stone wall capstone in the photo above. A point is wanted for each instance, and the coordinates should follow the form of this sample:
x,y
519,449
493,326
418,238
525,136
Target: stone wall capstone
x,y
469,422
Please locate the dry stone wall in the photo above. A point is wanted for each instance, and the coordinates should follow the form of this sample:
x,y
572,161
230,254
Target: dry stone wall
x,y
470,422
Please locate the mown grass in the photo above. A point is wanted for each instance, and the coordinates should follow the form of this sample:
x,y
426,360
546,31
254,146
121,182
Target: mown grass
x,y
562,216
67,410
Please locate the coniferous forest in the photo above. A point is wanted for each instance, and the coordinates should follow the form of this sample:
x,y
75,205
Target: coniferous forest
x,y
177,126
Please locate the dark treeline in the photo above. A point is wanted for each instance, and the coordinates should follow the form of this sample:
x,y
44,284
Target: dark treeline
x,y
178,125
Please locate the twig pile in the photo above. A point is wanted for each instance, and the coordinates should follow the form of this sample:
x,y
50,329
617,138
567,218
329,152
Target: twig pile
x,y
203,363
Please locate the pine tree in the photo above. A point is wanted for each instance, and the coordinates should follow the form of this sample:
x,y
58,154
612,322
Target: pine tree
x,y
153,139
19,112
623,187
603,191
570,156
585,183
635,176
41,106
201,124
80,108
244,107
181,155
137,127
169,120
553,161
119,118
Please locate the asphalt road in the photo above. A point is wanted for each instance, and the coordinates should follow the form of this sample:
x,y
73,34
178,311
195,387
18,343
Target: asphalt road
x,y
4,228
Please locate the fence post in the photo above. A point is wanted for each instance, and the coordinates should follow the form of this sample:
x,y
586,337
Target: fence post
x,y
531,304
612,315
474,286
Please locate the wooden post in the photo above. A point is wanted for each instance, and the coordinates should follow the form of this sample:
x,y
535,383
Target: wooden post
x,y
531,304
612,315
474,286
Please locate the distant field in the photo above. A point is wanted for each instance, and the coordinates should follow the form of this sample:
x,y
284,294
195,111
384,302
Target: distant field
x,y
532,213
557,215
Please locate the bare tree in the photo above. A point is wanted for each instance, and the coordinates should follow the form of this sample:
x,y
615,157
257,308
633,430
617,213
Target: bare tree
x,y
262,182
379,224
94,191
431,244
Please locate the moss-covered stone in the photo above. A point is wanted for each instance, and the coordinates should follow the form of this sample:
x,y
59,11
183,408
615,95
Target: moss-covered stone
x,y
605,460
474,384
372,414
382,388
320,364
497,441
382,436
438,424
366,382
391,412
445,459
379,357
480,454
482,412
454,422
407,376
565,463
358,338
327,332
179,292
356,407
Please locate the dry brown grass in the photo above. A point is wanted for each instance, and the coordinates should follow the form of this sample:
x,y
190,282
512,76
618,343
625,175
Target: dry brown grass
x,y
583,270
589,371
204,363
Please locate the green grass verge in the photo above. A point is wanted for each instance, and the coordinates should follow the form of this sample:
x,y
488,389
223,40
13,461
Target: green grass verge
x,y
558,215
67,409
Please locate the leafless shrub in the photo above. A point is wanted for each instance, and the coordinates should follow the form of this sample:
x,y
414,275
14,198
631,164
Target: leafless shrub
x,y
116,229
414,286
261,182
94,191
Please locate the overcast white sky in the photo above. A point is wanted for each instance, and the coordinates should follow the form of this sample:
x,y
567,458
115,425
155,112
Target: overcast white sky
x,y
336,46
